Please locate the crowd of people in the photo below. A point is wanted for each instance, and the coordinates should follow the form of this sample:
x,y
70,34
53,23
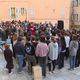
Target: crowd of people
x,y
40,44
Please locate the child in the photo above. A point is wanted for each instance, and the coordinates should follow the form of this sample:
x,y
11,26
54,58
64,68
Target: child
x,y
8,57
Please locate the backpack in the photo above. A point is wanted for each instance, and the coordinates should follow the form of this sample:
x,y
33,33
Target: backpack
x,y
28,49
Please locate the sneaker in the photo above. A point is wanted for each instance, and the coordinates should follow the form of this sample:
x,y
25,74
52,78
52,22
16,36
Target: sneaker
x,y
50,72
53,72
71,69
44,77
10,73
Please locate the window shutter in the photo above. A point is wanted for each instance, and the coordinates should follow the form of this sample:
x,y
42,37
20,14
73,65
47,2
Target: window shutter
x,y
17,13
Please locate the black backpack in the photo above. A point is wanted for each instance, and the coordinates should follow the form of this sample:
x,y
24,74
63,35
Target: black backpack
x,y
29,47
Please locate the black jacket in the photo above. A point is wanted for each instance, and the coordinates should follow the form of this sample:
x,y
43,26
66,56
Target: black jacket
x,y
19,49
30,49
8,57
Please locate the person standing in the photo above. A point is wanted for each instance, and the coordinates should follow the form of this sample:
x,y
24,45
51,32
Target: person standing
x,y
41,52
8,57
78,54
48,40
62,50
19,50
73,48
53,53
32,29
30,53
67,41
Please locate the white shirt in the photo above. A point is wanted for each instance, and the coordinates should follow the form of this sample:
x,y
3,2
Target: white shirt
x,y
67,40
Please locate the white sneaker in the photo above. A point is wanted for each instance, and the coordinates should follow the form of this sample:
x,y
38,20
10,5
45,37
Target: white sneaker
x,y
53,72
10,73
50,72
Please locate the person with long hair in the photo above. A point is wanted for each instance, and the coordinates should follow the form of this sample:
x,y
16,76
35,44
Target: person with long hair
x,y
41,52
53,53
73,48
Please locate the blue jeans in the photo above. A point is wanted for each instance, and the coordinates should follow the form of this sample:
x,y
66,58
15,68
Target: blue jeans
x,y
20,59
72,62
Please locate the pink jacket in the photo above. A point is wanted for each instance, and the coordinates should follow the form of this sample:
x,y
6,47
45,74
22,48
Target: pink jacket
x,y
41,50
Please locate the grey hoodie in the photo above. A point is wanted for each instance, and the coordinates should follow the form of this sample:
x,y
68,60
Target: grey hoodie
x,y
73,47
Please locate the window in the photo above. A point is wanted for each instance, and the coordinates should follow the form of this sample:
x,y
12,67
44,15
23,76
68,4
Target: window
x,y
75,3
31,13
22,11
13,12
75,17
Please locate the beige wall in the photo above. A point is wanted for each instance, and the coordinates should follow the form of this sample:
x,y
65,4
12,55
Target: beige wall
x,y
77,11
37,10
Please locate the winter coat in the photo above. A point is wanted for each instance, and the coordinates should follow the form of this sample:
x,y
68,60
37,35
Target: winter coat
x,y
19,49
8,57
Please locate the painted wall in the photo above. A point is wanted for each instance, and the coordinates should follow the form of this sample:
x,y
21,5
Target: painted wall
x,y
77,11
37,10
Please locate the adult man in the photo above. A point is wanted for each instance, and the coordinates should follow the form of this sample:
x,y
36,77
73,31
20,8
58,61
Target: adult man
x,y
20,53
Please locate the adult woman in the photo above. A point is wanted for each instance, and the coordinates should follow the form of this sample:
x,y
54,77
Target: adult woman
x,y
53,53
73,51
41,53
8,57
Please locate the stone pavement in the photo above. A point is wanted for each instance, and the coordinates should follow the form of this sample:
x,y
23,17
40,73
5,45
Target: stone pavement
x,y
63,74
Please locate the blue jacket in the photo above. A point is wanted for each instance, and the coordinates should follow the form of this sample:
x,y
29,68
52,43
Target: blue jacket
x,y
19,49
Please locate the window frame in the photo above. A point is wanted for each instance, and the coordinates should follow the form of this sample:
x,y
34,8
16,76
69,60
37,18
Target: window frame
x,y
13,12
23,11
75,17
75,3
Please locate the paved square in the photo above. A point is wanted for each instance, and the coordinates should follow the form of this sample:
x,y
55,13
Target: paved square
x,y
63,74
